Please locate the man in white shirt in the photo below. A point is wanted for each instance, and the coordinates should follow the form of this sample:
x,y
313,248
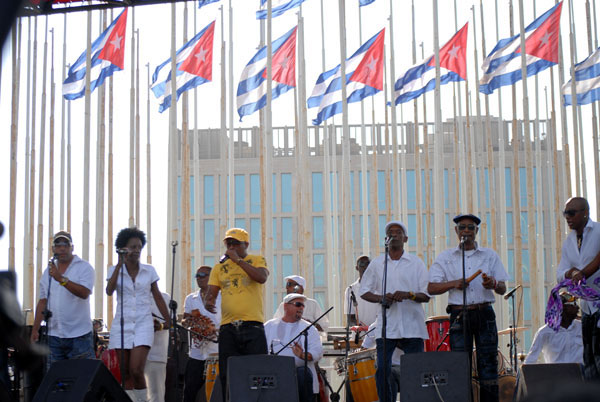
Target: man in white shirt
x,y
359,311
564,345
199,349
405,291
65,288
155,370
312,310
280,331
578,260
446,275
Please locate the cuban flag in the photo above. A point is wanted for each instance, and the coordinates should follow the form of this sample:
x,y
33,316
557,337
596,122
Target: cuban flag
x,y
278,7
202,3
364,77
252,89
421,77
587,81
503,65
194,67
364,2
108,56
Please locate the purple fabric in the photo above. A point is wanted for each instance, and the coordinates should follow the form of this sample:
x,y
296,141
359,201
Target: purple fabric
x,y
580,290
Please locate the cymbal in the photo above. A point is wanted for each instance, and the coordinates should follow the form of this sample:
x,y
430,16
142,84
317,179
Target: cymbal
x,y
509,330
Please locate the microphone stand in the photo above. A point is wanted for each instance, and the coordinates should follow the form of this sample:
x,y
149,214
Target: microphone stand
x,y
173,329
384,307
122,322
305,333
464,309
347,348
47,313
513,336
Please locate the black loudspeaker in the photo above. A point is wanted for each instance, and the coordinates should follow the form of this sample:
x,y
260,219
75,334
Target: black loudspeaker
x,y
422,373
272,378
80,380
544,379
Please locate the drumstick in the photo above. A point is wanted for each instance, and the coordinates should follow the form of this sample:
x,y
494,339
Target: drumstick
x,y
470,278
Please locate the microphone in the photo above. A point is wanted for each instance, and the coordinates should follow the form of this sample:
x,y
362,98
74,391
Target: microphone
x,y
388,239
357,336
122,251
353,297
223,258
509,294
463,239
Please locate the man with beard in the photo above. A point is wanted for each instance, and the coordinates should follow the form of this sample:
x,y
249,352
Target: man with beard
x,y
406,289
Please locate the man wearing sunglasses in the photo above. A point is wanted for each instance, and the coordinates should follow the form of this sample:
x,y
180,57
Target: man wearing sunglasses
x,y
199,349
240,278
280,331
65,288
564,345
446,275
312,310
579,260
359,311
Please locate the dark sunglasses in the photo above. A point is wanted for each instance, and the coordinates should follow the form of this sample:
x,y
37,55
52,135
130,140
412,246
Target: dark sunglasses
x,y
290,284
232,242
469,226
201,275
571,212
61,244
297,304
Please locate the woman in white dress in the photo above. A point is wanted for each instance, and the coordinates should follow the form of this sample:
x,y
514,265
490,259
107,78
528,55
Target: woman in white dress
x,y
140,286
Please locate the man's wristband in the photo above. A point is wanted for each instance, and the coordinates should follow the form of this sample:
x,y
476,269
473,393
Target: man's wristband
x,y
412,296
64,281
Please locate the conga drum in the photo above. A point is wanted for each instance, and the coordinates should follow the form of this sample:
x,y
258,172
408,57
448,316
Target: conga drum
x,y
211,372
110,360
361,375
437,328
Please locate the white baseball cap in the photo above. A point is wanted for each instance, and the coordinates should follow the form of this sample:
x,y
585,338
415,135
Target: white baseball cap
x,y
298,279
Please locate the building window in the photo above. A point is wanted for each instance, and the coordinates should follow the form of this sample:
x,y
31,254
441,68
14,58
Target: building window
x,y
255,234
317,192
209,196
209,235
287,265
411,193
254,194
287,234
240,223
286,192
240,194
319,270
192,196
381,181
318,232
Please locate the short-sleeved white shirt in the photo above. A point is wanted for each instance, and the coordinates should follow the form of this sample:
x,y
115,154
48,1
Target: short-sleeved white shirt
x,y
70,314
405,319
137,309
279,333
571,257
194,301
562,346
367,311
448,267
160,347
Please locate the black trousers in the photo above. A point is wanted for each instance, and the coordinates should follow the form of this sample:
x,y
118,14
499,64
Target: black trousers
x,y
194,379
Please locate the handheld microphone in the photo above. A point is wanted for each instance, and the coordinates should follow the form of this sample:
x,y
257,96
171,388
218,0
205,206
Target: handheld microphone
x,y
122,251
509,294
223,258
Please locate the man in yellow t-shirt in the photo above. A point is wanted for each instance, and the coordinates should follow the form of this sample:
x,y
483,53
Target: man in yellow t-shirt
x,y
240,278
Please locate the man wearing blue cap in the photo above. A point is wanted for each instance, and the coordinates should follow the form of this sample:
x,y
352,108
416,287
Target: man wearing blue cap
x,y
446,275
406,289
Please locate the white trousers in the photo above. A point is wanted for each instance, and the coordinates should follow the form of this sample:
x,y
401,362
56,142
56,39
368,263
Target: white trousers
x,y
156,374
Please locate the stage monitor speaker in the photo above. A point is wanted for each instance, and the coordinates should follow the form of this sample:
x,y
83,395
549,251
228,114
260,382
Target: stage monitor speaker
x,y
543,379
422,373
272,378
79,380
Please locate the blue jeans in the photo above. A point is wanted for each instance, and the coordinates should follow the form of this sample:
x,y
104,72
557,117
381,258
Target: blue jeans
x,y
246,339
408,345
481,326
80,347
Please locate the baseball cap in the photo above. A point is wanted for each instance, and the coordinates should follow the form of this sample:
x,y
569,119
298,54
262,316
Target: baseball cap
x,y
237,234
472,217
293,296
63,235
392,223
298,279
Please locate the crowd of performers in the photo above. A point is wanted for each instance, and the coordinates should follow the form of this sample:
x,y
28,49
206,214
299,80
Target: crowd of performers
x,y
225,315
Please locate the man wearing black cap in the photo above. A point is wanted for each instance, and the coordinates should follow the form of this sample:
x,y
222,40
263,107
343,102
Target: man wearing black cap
x,y
65,288
446,275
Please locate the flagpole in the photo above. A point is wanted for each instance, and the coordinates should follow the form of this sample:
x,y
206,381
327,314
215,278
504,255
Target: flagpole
x,y
363,163
550,150
223,137
536,284
596,148
399,176
51,151
426,176
109,200
132,186
148,174
31,270
85,250
230,158
477,140
594,114
100,155
418,184
576,144
62,127
490,149
184,278
69,176
195,176
27,287
268,144
137,128
516,199
567,188
459,146
14,140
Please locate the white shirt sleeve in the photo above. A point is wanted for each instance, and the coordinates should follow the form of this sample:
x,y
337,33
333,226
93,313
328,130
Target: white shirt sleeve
x,y
437,273
536,347
368,283
565,263
315,348
86,277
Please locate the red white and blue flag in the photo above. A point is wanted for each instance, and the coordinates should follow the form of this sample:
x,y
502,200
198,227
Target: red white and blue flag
x,y
252,89
278,7
364,77
421,77
108,56
503,64
194,67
